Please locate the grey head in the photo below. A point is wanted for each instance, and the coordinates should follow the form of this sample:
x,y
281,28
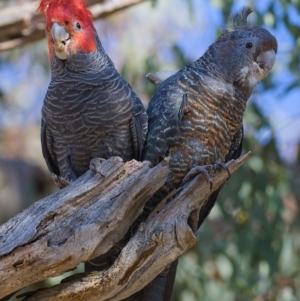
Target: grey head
x,y
243,54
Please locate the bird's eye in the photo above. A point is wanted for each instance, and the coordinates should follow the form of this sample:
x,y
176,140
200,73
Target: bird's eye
x,y
78,25
249,45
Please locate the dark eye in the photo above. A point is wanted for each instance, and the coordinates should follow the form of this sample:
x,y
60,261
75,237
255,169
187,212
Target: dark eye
x,y
78,25
249,45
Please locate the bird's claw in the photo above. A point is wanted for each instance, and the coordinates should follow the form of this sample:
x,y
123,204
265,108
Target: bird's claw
x,y
204,170
199,170
95,166
60,181
221,165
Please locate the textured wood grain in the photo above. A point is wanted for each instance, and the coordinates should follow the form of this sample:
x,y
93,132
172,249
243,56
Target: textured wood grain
x,y
75,224
21,24
156,244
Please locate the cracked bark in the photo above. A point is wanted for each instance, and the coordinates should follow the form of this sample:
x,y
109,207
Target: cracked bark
x,y
75,224
81,222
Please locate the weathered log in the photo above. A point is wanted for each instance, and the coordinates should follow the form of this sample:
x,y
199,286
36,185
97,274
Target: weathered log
x,y
21,24
77,223
157,243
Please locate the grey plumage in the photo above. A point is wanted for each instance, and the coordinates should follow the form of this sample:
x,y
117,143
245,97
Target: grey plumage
x,y
89,111
196,115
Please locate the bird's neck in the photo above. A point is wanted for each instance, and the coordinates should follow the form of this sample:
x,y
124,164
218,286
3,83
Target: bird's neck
x,y
83,62
210,65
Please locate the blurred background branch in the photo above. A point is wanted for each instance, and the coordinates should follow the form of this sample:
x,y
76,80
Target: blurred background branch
x,y
21,24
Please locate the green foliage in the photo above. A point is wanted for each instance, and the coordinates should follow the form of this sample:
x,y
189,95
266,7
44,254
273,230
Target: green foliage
x,y
153,2
2,99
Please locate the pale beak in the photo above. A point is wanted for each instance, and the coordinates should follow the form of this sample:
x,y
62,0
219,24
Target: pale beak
x,y
266,60
61,39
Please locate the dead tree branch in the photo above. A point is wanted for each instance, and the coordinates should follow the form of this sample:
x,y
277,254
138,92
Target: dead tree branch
x,y
21,24
157,243
75,224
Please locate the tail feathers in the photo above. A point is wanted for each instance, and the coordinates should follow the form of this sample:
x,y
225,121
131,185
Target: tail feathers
x,y
170,281
155,290
205,210
159,289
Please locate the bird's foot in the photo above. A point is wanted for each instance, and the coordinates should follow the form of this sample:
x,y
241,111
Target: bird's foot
x,y
60,181
204,170
196,171
221,165
95,166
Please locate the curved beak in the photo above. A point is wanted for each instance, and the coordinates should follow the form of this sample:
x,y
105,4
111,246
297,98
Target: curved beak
x,y
59,33
61,40
266,60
